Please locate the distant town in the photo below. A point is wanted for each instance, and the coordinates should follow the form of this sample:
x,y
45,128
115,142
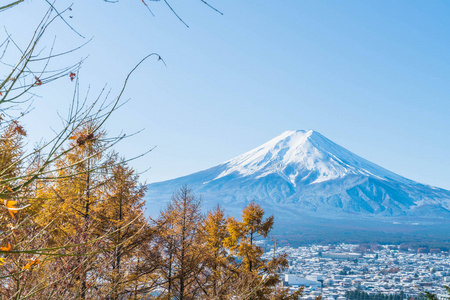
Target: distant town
x,y
334,271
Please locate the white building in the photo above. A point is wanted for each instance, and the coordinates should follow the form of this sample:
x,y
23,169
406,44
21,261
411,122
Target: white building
x,y
294,279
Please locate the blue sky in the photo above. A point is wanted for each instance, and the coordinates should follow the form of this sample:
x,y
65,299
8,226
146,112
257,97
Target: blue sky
x,y
372,76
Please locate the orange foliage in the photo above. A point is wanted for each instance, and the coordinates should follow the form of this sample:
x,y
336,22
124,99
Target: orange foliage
x,y
7,248
10,206
38,81
31,264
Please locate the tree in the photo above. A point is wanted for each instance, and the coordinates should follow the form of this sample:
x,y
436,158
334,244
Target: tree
x,y
244,234
51,234
182,249
50,238
77,189
220,265
120,213
257,277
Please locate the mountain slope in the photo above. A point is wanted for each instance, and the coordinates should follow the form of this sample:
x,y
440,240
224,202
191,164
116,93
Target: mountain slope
x,y
302,173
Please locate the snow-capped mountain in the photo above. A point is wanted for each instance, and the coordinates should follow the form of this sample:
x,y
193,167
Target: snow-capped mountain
x,y
302,173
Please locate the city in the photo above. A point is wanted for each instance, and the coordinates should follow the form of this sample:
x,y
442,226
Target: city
x,y
331,271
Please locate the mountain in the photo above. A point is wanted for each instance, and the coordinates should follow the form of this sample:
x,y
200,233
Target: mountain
x,y
301,176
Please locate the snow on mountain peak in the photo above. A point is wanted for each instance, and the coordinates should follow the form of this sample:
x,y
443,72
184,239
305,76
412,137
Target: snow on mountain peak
x,y
303,172
303,156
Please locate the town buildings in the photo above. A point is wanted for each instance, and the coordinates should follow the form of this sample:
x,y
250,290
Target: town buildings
x,y
330,271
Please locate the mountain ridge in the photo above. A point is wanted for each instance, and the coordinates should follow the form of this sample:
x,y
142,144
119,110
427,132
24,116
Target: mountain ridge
x,y
304,173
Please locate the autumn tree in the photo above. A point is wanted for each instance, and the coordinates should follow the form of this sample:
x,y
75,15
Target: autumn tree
x,y
85,226
220,265
243,236
120,213
11,153
67,203
183,249
221,259
49,239
258,277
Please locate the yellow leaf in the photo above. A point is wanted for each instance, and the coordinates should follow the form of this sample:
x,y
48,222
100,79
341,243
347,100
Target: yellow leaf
x,y
10,206
7,248
29,265
2,261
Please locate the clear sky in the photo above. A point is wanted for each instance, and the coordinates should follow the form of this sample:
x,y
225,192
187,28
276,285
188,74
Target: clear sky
x,y
372,76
